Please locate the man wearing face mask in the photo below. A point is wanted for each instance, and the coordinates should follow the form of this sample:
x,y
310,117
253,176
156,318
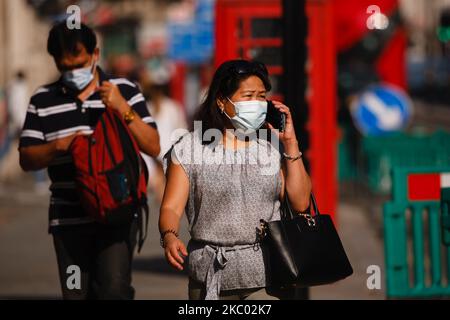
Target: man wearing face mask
x,y
57,113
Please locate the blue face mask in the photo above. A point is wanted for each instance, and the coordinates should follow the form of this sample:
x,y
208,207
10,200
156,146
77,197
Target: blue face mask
x,y
78,79
250,115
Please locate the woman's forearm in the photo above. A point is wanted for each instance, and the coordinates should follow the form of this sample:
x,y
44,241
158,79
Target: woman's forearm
x,y
168,220
297,180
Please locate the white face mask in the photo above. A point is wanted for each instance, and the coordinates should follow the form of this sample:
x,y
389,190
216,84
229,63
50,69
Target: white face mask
x,y
80,78
250,115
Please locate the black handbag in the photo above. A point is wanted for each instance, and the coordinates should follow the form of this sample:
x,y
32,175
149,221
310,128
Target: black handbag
x,y
303,250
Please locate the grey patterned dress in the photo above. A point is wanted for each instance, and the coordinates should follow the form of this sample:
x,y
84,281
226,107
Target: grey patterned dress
x,y
229,192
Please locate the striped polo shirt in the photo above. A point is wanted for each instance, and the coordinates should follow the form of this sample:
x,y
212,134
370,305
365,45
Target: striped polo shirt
x,y
54,112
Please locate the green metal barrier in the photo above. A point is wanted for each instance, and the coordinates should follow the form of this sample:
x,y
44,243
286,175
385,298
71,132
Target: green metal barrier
x,y
381,154
445,205
416,238
347,166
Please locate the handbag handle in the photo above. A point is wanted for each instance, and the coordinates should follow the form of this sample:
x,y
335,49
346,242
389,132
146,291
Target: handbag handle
x,y
316,208
290,213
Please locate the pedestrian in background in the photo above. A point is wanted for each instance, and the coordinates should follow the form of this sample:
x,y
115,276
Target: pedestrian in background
x,y
17,101
167,113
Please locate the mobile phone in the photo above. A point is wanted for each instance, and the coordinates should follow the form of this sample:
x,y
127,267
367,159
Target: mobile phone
x,y
275,117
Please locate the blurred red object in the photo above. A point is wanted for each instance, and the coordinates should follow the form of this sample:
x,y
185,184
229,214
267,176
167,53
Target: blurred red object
x,y
424,187
351,19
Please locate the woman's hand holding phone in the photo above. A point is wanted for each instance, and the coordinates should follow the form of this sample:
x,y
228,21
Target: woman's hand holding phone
x,y
288,134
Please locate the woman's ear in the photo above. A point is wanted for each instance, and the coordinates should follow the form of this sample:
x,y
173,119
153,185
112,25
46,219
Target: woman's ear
x,y
220,103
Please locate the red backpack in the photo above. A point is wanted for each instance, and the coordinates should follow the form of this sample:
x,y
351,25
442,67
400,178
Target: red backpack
x,y
111,176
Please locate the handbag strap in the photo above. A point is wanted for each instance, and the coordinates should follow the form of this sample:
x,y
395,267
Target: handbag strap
x,y
314,203
288,213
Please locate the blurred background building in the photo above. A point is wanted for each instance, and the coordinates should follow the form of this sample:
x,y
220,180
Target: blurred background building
x,y
177,37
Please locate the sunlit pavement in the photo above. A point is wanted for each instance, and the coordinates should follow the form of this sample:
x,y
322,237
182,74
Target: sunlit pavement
x,y
28,264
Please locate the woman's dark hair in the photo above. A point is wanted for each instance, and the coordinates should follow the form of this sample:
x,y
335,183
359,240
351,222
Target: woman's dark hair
x,y
225,83
62,40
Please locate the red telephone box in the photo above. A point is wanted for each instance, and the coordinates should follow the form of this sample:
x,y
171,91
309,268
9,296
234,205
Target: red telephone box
x,y
252,29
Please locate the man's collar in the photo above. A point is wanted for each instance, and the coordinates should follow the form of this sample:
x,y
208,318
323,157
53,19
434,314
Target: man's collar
x,y
102,76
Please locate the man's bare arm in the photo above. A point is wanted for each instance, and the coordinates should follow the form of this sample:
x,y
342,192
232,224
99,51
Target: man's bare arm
x,y
39,157
146,136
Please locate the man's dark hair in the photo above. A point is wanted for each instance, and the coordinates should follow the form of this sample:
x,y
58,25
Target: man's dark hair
x,y
62,40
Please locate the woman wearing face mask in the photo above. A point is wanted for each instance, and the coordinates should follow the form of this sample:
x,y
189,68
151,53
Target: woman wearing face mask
x,y
226,186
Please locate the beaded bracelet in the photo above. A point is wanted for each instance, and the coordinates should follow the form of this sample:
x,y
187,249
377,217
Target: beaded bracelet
x,y
163,235
291,157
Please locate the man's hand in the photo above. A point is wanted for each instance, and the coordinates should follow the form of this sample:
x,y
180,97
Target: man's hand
x,y
146,136
40,156
112,97
62,145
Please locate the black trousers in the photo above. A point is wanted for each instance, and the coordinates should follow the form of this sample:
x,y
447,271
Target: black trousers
x,y
103,255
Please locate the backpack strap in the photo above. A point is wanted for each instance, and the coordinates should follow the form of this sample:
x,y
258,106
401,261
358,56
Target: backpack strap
x,y
143,225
